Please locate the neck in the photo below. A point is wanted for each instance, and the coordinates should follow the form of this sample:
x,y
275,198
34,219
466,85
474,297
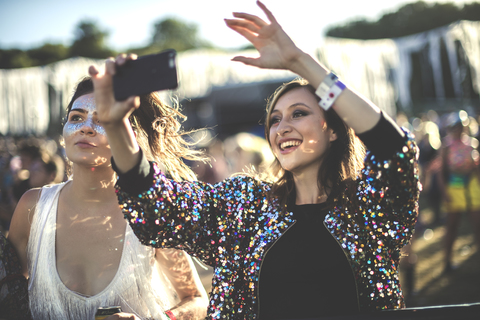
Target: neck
x,y
92,185
307,190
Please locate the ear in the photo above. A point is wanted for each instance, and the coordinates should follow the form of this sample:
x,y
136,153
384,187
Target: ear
x,y
333,135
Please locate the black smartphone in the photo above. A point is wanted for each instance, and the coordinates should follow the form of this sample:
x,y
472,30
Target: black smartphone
x,y
148,73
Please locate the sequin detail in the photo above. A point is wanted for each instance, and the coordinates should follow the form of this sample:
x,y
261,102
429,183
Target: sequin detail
x,y
230,226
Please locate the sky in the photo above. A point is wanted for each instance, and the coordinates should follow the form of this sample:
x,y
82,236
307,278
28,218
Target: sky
x,y
27,24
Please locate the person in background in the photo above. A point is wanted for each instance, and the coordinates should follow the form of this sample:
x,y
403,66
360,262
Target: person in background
x,y
77,228
459,183
28,154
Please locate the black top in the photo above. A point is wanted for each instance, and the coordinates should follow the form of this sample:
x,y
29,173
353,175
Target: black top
x,y
306,274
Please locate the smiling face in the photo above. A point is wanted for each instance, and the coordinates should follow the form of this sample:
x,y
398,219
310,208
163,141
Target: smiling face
x,y
85,139
298,132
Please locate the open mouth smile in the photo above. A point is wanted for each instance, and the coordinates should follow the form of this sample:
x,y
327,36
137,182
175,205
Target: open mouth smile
x,y
290,144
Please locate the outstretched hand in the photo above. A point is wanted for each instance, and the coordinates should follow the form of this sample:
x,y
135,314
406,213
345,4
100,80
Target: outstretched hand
x,y
277,50
111,112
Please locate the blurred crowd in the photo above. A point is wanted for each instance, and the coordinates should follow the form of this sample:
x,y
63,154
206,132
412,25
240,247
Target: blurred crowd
x,y
25,163
449,171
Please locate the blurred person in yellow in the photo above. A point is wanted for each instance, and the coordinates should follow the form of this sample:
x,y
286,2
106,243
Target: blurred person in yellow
x,y
459,181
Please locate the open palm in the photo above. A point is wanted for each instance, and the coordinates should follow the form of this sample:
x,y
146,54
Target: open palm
x,y
277,50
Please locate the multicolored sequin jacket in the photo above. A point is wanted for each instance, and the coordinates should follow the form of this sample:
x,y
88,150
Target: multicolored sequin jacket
x,y
231,225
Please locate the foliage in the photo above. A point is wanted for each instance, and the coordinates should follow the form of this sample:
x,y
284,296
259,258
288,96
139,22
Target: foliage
x,y
48,53
173,33
14,58
409,19
90,41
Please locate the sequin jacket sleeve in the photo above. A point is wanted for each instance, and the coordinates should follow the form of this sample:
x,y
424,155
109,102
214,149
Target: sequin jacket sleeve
x,y
381,222
195,216
388,192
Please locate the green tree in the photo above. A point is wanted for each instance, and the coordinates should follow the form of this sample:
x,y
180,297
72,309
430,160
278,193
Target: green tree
x,y
172,33
90,41
409,19
48,53
15,58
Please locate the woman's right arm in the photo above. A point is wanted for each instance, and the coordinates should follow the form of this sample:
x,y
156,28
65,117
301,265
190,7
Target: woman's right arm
x,y
113,115
19,232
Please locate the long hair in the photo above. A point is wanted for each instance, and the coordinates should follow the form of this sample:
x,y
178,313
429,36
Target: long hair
x,y
341,162
158,132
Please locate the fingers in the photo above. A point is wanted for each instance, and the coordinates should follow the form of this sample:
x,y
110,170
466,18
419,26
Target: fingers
x,y
123,58
248,61
251,18
268,13
133,102
244,32
93,71
244,24
110,66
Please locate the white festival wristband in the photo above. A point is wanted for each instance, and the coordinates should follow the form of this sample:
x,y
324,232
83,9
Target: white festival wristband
x,y
329,90
326,84
327,100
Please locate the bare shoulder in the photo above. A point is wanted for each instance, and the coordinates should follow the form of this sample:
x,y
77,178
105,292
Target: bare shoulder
x,y
23,215
19,231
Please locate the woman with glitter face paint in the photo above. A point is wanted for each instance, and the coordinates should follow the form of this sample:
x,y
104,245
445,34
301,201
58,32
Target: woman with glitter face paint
x,y
73,244
322,237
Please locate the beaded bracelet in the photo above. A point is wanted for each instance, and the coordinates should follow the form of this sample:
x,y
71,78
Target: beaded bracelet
x,y
329,90
170,315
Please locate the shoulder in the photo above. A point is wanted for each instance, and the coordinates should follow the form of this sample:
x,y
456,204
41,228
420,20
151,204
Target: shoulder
x,y
246,182
26,207
28,201
19,231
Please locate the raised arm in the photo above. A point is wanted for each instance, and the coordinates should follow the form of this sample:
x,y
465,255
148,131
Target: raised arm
x,y
114,115
277,51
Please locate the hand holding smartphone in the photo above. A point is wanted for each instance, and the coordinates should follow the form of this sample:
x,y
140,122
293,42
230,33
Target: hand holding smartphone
x,y
146,74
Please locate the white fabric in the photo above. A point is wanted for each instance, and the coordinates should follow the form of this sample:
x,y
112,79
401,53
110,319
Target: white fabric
x,y
137,287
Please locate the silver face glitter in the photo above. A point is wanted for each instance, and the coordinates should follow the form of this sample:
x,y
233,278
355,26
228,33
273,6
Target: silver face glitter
x,y
86,105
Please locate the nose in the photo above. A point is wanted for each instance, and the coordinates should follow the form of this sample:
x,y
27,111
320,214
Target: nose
x,y
283,128
88,128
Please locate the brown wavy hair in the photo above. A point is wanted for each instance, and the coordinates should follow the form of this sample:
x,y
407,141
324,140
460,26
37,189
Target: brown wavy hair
x,y
341,163
158,132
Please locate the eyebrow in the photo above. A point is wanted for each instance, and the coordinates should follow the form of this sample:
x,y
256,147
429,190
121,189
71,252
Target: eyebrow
x,y
293,105
81,110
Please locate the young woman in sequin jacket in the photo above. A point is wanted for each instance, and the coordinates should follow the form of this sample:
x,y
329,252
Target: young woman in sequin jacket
x,y
323,237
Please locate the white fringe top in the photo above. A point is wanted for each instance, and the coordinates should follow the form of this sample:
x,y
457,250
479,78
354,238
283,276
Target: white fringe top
x,y
137,286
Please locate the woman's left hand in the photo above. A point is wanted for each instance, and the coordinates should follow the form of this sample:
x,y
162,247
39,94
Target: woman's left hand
x,y
277,50
122,315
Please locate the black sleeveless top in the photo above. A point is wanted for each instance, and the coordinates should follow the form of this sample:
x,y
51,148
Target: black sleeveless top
x,y
306,274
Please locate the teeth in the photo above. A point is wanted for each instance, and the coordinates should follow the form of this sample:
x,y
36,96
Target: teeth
x,y
291,143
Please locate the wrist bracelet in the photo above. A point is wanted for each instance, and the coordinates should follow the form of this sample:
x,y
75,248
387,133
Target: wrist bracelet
x,y
329,90
170,315
326,84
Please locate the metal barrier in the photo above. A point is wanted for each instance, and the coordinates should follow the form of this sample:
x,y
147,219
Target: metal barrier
x,y
446,312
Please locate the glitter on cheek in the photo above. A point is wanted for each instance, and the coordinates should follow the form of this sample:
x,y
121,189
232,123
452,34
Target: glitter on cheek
x,y
70,128
87,103
99,129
